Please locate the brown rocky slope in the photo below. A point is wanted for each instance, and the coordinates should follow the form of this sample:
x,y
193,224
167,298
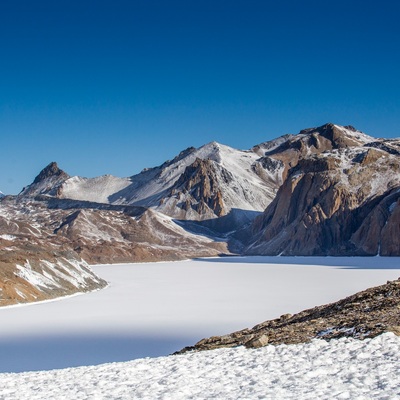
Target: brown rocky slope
x,y
45,244
341,196
363,315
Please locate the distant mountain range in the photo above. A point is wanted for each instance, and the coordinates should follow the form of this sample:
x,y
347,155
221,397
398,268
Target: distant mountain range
x,y
198,184
331,190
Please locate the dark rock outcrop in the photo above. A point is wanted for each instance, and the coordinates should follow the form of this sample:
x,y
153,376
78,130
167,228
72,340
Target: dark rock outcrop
x,y
50,171
200,187
47,182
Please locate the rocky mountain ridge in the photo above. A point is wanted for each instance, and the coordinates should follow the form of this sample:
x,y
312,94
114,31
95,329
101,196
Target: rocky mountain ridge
x,y
198,184
33,265
341,196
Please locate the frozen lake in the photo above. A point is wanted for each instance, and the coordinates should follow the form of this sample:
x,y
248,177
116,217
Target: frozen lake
x,y
157,308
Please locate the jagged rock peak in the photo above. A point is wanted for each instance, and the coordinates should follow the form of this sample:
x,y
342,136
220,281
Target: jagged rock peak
x,y
49,171
329,128
339,136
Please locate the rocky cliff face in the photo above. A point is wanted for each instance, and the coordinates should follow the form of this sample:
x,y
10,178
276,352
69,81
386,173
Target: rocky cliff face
x,y
340,197
197,192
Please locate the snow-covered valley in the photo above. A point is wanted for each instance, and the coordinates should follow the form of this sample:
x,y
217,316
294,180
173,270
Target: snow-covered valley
x,y
154,309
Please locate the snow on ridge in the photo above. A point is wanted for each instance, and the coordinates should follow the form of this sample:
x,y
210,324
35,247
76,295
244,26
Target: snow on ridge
x,y
344,368
71,271
40,281
51,275
97,189
150,186
356,134
253,187
271,145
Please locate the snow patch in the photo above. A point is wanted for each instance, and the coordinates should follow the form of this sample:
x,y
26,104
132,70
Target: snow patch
x,y
97,189
51,274
356,134
19,293
34,278
8,237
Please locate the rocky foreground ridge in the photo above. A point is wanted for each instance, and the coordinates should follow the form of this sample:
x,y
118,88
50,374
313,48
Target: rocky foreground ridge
x,y
330,190
363,315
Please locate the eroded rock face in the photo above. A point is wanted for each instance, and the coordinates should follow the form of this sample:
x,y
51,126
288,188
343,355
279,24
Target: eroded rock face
x,y
200,188
379,233
363,315
339,198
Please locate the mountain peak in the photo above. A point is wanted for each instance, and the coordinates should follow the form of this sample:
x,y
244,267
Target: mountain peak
x,y
49,171
47,182
339,136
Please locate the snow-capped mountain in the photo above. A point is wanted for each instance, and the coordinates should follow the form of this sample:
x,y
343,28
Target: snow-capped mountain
x,y
198,184
1,194
205,183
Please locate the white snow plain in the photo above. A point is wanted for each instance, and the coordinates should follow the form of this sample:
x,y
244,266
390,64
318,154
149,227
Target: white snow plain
x,y
154,309
339,369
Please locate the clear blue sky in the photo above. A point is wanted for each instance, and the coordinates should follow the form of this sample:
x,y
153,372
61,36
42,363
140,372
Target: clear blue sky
x,y
115,86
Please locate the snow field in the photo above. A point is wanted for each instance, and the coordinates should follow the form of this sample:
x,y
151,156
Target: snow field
x,y
155,309
339,369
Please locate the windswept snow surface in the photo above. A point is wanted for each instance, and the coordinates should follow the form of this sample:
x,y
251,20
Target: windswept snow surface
x,y
340,369
155,309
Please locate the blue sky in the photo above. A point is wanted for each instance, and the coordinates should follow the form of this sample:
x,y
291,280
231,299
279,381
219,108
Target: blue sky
x,y
115,86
